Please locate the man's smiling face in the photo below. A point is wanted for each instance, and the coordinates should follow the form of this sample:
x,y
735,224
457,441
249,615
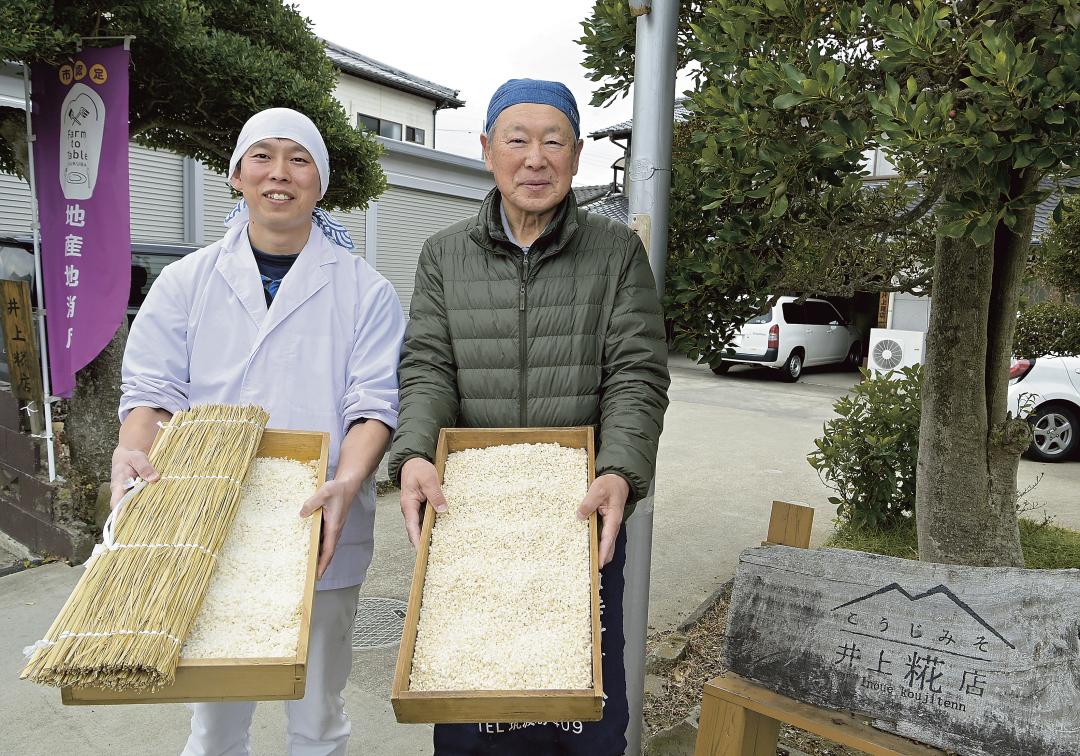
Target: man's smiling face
x,y
533,154
280,184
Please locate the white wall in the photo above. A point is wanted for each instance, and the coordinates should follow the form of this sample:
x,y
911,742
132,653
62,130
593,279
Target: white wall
x,y
412,166
878,164
910,313
362,96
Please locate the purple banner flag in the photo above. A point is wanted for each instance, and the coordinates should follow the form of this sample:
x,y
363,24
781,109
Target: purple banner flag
x,y
80,119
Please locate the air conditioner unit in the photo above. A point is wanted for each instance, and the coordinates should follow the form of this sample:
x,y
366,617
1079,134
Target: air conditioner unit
x,y
892,350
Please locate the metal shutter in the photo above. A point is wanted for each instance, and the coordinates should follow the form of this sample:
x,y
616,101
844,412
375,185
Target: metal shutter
x,y
14,206
407,217
157,196
218,202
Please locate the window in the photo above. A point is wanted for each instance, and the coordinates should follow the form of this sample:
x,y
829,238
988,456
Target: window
x,y
367,123
383,128
818,313
823,313
765,317
415,135
390,130
795,314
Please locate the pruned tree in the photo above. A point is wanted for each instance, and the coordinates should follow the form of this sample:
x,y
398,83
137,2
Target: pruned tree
x,y
975,102
198,71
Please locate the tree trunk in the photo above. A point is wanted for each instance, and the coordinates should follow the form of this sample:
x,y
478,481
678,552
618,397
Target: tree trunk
x,y
969,446
92,426
13,131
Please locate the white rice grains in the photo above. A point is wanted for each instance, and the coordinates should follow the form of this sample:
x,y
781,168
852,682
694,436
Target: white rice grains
x,y
253,604
507,594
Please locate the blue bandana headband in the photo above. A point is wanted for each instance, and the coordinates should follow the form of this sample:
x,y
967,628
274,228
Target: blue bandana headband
x,y
535,91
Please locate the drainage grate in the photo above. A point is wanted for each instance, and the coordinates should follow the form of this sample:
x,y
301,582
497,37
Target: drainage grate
x,y
379,622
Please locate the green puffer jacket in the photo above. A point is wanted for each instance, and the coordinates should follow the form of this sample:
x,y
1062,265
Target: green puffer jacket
x,y
595,352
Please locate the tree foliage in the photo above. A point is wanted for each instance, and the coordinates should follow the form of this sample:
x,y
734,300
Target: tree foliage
x,y
974,102
762,205
1057,261
198,71
1048,328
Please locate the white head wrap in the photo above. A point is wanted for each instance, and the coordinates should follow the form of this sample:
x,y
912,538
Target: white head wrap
x,y
285,123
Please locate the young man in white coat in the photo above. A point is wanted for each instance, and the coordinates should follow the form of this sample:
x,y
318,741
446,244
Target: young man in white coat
x,y
278,313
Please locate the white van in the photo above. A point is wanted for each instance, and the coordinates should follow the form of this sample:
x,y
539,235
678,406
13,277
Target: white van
x,y
791,336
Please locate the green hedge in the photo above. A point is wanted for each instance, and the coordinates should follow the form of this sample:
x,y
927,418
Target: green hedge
x,y
868,453
1048,328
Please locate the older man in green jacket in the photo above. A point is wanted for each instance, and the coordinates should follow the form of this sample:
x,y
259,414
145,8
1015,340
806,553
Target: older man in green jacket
x,y
535,313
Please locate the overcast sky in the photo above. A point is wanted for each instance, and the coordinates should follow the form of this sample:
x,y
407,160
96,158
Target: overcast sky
x,y
474,47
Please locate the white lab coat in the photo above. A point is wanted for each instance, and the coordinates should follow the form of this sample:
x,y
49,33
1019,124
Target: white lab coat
x,y
324,355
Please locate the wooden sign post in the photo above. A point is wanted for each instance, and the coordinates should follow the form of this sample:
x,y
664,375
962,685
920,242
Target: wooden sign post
x,y
979,660
23,364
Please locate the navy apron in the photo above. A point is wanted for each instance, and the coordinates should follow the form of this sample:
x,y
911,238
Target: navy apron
x,y
604,738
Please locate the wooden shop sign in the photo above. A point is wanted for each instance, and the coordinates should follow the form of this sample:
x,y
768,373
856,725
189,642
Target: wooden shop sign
x,y
22,355
973,659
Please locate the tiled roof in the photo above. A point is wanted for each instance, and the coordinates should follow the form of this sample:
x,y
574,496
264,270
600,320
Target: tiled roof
x,y
586,194
622,130
1044,212
612,203
367,68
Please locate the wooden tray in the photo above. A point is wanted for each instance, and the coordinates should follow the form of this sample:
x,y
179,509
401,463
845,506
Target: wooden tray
x,y
255,679
442,707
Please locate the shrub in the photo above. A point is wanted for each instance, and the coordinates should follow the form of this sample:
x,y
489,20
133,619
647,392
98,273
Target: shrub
x,y
868,454
1048,328
1057,259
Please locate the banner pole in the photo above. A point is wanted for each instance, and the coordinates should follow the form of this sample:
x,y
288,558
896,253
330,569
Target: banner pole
x,y
47,398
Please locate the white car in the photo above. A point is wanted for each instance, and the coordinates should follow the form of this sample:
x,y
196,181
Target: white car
x,y
1047,391
791,336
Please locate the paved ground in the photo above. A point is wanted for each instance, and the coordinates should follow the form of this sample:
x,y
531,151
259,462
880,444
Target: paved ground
x,y
731,445
12,554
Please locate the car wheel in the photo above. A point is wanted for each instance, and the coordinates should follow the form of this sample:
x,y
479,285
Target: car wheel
x,y
854,356
722,368
1056,427
792,368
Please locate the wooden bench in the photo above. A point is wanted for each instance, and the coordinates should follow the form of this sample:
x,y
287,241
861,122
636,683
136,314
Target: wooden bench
x,y
741,718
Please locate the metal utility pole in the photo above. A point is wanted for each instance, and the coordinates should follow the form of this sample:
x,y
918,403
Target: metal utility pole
x,y
40,288
649,172
648,186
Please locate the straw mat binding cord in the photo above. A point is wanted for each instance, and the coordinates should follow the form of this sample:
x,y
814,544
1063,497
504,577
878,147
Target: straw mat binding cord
x,y
122,625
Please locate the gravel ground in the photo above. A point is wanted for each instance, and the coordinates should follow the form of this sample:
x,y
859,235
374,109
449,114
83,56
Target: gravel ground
x,y
683,684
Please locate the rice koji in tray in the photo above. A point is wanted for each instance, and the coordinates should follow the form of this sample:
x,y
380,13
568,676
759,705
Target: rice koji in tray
x,y
413,697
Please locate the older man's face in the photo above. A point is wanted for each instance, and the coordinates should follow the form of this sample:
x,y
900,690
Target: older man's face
x,y
534,156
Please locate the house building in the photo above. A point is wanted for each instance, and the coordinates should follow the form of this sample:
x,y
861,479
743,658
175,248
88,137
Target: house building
x,y
178,204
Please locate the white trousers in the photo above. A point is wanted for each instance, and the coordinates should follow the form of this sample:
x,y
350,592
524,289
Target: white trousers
x,y
318,725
